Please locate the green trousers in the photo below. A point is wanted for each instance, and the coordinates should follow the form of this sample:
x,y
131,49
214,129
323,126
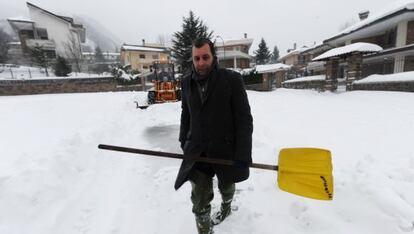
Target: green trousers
x,y
202,193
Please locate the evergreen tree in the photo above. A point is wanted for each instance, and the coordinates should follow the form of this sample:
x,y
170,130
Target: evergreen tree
x,y
99,57
100,65
62,67
192,28
39,58
4,39
275,55
263,53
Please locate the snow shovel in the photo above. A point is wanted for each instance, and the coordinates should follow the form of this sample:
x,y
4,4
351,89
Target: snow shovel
x,y
306,172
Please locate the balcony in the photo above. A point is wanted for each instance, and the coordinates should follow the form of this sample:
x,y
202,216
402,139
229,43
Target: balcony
x,y
45,44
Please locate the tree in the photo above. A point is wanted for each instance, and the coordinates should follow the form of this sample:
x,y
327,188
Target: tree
x,y
62,67
100,65
192,28
263,53
275,55
39,58
73,51
4,39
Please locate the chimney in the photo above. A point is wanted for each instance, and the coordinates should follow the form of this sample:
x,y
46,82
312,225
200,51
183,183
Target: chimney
x,y
363,15
294,46
245,35
143,42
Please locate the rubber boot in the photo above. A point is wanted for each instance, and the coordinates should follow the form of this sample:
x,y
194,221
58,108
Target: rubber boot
x,y
204,224
219,216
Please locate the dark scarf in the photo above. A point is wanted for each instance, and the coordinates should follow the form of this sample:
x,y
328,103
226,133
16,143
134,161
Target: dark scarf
x,y
203,81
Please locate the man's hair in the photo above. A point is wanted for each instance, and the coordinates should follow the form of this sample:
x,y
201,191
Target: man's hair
x,y
200,42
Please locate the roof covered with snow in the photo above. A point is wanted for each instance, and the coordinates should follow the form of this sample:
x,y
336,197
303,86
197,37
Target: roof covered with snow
x,y
142,48
233,42
355,47
294,52
20,19
393,9
232,54
271,67
61,17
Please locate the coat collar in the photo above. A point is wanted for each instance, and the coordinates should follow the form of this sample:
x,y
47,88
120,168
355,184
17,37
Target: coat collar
x,y
211,83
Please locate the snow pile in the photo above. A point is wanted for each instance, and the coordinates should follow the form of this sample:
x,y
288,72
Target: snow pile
x,y
271,67
306,78
355,47
53,179
397,77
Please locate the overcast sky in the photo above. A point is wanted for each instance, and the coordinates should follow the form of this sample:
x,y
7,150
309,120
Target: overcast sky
x,y
280,23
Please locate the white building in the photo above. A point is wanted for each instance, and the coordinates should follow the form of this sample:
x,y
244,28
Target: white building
x,y
54,33
234,53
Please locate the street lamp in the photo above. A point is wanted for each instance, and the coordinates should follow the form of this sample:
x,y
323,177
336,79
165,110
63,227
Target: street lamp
x,y
224,47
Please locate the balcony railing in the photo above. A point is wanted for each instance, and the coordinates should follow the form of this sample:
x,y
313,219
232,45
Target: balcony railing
x,y
45,44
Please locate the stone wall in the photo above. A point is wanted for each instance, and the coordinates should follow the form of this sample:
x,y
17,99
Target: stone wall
x,y
390,86
314,84
61,85
257,87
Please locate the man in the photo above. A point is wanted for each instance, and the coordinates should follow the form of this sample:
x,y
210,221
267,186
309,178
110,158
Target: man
x,y
215,123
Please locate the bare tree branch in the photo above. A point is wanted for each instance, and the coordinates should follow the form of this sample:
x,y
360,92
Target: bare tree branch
x,y
73,51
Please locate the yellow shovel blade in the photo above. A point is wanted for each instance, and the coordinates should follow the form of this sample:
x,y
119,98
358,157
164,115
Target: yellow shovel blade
x,y
306,172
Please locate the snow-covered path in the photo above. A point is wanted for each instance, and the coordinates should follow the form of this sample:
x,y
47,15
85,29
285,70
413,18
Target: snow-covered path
x,y
53,179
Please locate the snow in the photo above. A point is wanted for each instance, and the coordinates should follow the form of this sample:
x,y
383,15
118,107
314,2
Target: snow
x,y
141,48
233,42
296,51
271,67
53,179
392,8
36,73
231,54
355,47
21,18
397,77
306,78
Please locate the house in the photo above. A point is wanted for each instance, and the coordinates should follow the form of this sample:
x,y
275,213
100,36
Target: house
x,y
53,33
234,53
392,29
313,68
141,57
272,74
296,60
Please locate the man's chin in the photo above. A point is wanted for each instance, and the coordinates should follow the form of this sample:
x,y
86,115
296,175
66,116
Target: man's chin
x,y
202,72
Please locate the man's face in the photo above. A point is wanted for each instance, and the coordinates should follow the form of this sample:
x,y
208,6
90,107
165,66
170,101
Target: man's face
x,y
202,59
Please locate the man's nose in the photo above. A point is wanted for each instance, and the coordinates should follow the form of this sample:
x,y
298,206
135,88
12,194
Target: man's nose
x,y
201,62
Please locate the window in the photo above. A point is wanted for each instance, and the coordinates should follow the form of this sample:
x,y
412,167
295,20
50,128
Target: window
x,y
155,56
42,33
142,56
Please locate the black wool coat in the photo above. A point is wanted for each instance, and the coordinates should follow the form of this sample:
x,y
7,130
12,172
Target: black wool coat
x,y
221,127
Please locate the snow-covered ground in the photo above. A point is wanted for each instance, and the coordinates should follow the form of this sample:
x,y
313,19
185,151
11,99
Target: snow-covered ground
x,y
53,178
